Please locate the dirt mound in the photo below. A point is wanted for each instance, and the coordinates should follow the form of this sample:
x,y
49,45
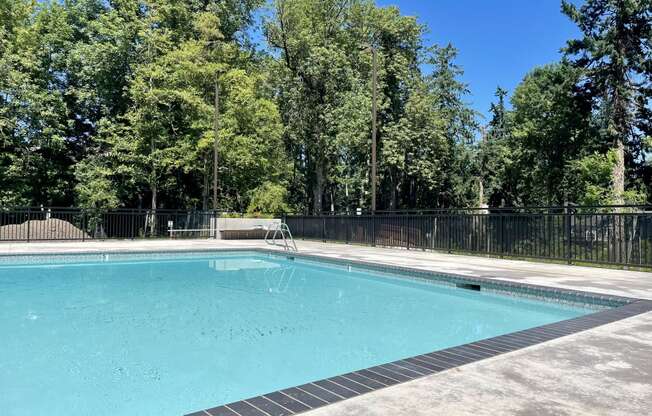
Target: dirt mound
x,y
50,229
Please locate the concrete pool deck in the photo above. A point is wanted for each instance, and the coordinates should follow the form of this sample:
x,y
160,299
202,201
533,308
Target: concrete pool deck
x,y
602,371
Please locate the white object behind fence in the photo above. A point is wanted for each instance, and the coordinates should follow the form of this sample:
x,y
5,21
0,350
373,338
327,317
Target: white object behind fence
x,y
241,224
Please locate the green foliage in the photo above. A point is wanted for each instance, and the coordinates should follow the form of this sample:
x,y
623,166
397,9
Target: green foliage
x,y
552,126
591,178
459,128
614,51
110,104
122,89
35,155
591,181
318,75
268,198
549,149
251,138
94,187
325,100
496,157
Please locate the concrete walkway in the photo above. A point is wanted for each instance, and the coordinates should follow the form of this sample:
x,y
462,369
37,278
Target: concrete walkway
x,y
603,371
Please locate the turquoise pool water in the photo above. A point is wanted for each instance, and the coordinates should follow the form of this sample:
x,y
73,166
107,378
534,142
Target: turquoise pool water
x,y
169,334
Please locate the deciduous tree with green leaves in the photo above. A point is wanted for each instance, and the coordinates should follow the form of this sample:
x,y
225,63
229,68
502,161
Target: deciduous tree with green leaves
x,y
112,104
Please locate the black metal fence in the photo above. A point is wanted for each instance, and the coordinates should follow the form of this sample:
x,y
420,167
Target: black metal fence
x,y
607,235
46,224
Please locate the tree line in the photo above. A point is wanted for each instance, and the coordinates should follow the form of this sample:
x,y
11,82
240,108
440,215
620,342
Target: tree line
x,y
109,104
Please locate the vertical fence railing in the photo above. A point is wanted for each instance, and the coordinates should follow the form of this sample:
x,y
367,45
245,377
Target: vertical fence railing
x,y
74,224
607,235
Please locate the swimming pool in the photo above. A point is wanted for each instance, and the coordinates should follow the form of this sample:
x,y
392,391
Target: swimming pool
x,y
166,334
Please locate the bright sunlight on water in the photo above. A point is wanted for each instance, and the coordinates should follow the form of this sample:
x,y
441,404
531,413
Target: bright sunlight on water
x,y
171,334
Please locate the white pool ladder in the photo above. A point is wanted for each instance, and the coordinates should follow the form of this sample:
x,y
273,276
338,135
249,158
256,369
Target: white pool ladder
x,y
285,233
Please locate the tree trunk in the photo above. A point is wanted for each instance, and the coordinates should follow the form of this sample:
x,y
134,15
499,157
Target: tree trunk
x,y
154,188
332,201
152,224
216,132
206,186
480,193
619,132
392,194
393,189
413,193
618,178
618,173
318,189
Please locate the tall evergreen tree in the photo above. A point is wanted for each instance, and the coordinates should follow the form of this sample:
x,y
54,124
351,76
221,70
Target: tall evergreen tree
x,y
495,157
498,122
616,52
459,123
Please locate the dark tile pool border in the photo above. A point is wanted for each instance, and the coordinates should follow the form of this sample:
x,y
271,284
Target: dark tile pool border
x,y
505,287
310,396
321,393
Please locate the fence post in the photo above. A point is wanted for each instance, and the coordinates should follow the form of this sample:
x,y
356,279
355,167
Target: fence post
x,y
450,233
133,217
569,247
323,229
501,234
83,222
407,232
373,230
28,223
212,224
430,235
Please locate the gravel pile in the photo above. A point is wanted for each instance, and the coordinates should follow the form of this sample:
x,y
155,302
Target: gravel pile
x,y
50,229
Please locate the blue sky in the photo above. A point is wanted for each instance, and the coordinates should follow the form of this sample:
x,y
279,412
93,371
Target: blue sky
x,y
499,41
